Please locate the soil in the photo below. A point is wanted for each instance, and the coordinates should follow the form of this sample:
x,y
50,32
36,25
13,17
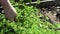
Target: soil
x,y
53,13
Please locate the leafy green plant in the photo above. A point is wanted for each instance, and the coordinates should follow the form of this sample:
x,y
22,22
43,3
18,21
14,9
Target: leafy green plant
x,y
26,21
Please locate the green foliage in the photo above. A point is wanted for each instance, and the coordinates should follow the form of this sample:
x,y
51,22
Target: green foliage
x,y
26,21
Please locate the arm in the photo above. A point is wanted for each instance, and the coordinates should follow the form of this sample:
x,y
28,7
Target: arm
x,y
9,10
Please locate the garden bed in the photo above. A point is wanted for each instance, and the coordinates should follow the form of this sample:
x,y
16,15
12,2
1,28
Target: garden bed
x,y
28,20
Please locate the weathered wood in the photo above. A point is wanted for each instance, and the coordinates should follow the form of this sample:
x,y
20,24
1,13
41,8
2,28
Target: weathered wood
x,y
45,3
